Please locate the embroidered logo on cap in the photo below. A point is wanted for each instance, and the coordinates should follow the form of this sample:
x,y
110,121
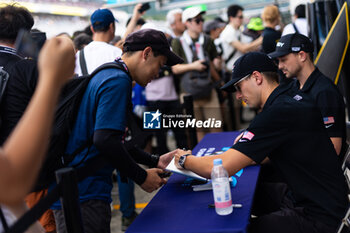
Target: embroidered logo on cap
x,y
247,136
279,44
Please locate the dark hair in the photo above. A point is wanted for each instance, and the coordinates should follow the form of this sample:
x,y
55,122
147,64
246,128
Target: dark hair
x,y
101,28
12,19
300,11
81,40
156,53
88,31
233,10
271,76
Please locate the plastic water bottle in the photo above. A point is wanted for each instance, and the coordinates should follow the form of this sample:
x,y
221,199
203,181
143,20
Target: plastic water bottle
x,y
221,189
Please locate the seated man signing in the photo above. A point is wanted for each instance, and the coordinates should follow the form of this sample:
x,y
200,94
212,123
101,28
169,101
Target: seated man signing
x,y
289,129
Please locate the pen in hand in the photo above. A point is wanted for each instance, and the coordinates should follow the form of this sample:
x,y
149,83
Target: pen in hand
x,y
233,205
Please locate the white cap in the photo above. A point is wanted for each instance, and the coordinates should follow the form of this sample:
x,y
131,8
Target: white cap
x,y
191,12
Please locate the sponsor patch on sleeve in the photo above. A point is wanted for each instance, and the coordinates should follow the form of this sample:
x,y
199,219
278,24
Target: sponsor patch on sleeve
x,y
247,136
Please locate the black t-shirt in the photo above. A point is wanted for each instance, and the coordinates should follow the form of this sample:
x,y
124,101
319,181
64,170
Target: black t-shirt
x,y
270,39
20,88
290,132
330,102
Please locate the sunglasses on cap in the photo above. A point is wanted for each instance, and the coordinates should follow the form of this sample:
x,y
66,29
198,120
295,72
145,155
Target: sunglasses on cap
x,y
198,20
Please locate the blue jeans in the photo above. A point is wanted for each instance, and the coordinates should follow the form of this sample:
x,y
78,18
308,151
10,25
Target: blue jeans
x,y
126,196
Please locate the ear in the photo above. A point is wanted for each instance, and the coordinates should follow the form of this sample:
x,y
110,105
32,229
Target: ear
x,y
92,29
302,56
258,77
146,52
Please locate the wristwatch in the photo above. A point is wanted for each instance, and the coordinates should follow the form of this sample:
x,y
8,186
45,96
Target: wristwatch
x,y
182,160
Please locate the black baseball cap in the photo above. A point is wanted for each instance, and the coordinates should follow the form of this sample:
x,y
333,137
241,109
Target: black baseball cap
x,y
247,64
292,43
155,39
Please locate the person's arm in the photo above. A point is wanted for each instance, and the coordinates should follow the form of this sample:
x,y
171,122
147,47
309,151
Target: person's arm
x,y
23,152
136,15
337,143
109,143
151,160
247,47
232,160
183,68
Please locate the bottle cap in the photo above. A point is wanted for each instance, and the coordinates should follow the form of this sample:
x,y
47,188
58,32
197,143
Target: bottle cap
x,y
217,161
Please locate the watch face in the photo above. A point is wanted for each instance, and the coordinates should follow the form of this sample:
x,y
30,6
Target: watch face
x,y
182,161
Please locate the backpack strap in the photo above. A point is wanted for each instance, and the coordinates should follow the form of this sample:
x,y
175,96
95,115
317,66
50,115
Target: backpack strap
x,y
4,77
82,62
233,52
295,28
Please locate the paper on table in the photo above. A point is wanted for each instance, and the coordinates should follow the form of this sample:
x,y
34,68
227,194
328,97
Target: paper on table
x,y
171,167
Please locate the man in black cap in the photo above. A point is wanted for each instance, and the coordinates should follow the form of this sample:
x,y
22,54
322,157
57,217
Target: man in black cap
x,y
103,115
294,53
289,131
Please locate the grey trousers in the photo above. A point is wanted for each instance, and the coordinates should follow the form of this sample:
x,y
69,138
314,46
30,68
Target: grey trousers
x,y
95,214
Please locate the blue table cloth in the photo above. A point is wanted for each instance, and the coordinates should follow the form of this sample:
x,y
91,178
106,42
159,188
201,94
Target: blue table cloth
x,y
177,208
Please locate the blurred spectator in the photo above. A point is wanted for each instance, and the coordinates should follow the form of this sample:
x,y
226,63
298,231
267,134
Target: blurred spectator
x,y
21,84
271,18
161,95
233,47
254,28
299,24
198,50
174,20
81,41
98,51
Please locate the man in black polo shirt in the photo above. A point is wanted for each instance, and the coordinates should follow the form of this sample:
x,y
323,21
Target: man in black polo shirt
x,y
294,53
290,131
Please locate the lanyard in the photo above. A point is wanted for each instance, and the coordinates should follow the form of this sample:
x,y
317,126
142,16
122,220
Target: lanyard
x,y
120,61
8,50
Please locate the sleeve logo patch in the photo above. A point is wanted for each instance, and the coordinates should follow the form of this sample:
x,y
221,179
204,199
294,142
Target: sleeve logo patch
x,y
328,120
247,136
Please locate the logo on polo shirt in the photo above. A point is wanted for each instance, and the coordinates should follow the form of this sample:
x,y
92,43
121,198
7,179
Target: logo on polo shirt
x,y
247,136
152,120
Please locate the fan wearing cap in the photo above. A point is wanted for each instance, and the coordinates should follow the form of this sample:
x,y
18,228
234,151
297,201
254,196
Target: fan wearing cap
x,y
98,51
289,130
198,51
103,116
294,53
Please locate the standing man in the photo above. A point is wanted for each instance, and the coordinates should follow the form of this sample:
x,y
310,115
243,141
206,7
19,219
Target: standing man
x,y
294,53
102,116
232,45
289,130
98,51
299,24
161,92
199,51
